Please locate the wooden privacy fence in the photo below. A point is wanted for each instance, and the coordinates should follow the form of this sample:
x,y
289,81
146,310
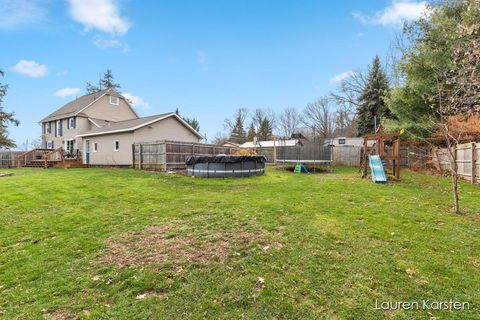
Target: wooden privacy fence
x,y
347,156
8,159
168,155
468,160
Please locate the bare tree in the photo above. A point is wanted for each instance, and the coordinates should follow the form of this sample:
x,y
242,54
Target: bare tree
x,y
350,89
319,117
220,138
345,120
259,115
289,121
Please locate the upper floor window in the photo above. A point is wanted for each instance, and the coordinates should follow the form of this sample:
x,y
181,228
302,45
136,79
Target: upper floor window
x,y
116,145
48,127
71,123
114,100
59,128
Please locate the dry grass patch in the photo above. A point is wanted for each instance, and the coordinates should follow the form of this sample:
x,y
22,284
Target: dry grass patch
x,y
193,240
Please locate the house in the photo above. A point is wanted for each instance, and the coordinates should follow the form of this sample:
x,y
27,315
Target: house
x,y
230,144
347,142
272,143
103,126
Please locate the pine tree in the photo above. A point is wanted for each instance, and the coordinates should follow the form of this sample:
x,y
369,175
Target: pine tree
x,y
251,132
238,132
265,132
372,100
191,121
106,82
5,120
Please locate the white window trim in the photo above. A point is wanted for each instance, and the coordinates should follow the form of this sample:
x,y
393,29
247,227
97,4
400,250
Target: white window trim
x,y
115,145
49,144
71,123
95,147
118,100
58,128
66,144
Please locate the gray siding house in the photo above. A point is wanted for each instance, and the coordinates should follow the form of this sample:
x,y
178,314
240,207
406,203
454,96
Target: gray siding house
x,y
103,126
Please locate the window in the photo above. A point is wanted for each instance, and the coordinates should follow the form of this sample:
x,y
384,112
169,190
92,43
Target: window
x,y
95,147
50,144
116,145
48,127
114,100
71,123
59,128
341,141
69,145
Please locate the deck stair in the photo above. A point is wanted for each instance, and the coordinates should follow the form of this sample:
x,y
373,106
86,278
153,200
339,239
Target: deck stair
x,y
50,158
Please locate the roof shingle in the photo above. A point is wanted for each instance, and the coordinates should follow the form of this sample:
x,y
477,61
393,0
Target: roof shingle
x,y
73,107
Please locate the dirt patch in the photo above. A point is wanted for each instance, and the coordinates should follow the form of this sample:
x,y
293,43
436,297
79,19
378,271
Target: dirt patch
x,y
309,167
5,174
58,315
194,240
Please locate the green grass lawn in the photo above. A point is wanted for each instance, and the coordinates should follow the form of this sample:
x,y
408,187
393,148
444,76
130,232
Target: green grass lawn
x,y
124,244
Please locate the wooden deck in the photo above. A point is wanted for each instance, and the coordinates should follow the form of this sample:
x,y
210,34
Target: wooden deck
x,y
50,158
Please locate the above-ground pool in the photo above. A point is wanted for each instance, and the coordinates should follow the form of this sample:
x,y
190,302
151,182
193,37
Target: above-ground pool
x,y
225,166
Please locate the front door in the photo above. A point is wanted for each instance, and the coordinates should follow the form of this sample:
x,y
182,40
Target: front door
x,y
87,152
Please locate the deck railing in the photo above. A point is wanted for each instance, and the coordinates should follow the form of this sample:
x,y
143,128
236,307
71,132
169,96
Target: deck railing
x,y
42,154
29,156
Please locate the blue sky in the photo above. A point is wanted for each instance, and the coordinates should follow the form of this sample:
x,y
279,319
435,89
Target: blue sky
x,y
207,58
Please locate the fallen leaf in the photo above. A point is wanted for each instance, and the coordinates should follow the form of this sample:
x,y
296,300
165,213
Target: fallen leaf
x,y
411,272
260,280
141,296
96,278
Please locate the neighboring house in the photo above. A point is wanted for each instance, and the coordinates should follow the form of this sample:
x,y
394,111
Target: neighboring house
x,y
272,143
230,144
103,126
345,142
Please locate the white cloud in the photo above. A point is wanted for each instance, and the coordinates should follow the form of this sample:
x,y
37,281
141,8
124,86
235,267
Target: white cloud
x,y
394,15
102,15
65,92
136,101
360,17
107,43
30,68
341,76
14,13
110,43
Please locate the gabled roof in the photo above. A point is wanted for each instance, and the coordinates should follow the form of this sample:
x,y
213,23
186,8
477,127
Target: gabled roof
x,y
134,124
75,107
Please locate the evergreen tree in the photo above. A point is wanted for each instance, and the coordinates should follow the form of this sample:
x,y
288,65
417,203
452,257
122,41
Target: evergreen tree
x,y
251,132
238,132
372,100
191,121
5,120
265,130
106,82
